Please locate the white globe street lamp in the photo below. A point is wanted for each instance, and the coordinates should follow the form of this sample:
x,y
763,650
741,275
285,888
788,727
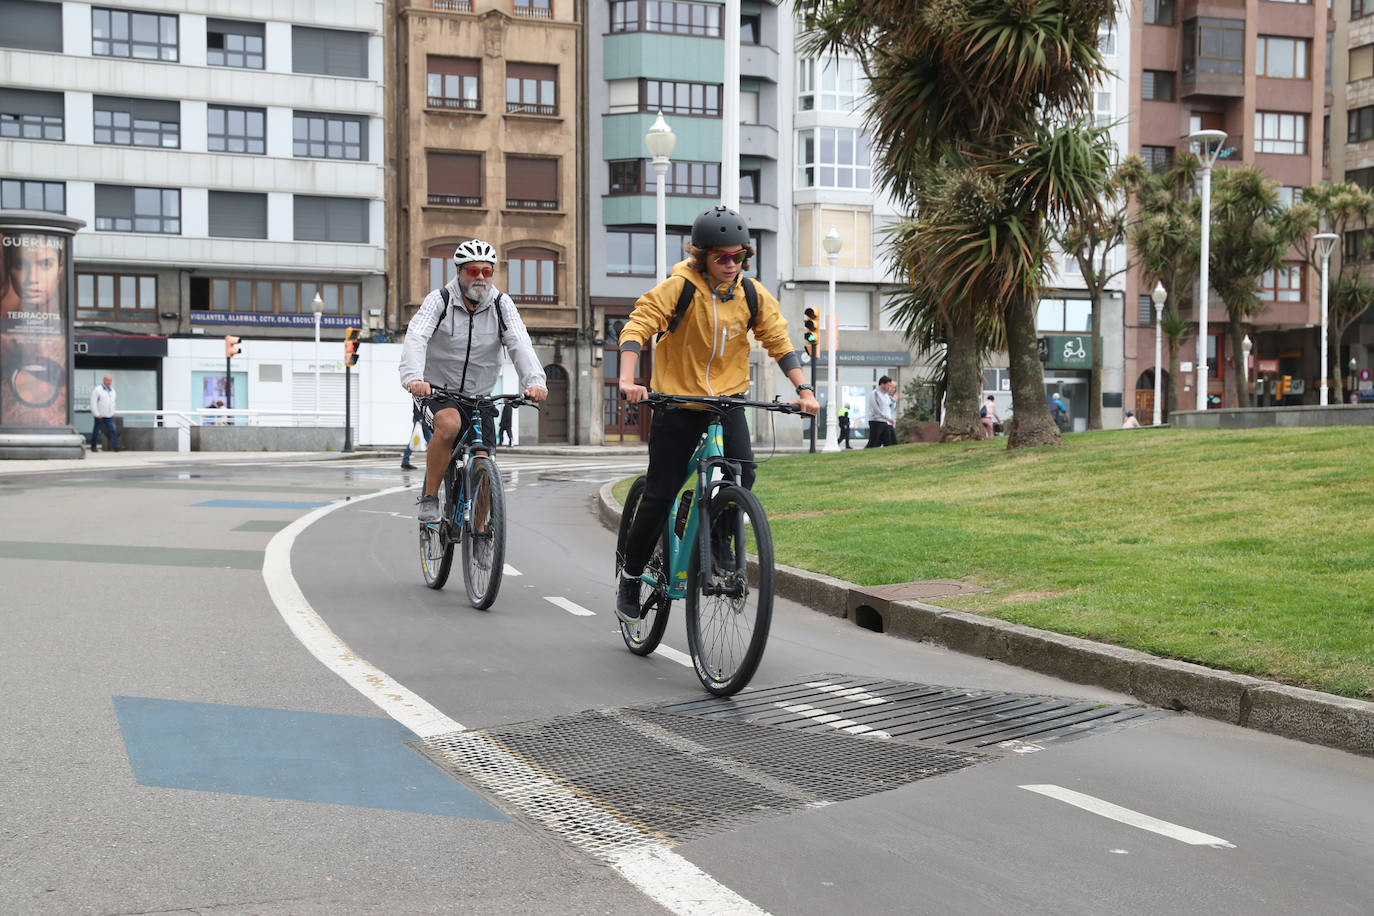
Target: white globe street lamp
x,y
660,140
1158,296
1325,241
832,243
1245,347
1209,147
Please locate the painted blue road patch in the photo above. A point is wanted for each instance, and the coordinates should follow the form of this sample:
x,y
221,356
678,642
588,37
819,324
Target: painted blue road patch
x,y
259,504
278,753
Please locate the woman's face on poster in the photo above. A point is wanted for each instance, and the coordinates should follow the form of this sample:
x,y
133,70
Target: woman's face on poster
x,y
36,274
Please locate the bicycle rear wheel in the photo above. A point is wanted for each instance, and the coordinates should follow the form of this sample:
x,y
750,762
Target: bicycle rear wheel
x,y
727,617
484,534
643,636
436,547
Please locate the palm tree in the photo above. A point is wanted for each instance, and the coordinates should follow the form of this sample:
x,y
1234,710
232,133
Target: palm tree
x,y
960,93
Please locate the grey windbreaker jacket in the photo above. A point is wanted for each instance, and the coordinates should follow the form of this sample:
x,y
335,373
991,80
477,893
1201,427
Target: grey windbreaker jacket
x,y
463,352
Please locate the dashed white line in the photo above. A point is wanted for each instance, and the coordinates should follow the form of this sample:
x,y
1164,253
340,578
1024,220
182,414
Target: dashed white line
x,y
569,606
673,655
512,571
1133,818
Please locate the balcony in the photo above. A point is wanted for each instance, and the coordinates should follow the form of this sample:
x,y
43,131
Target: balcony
x,y
516,203
454,6
454,200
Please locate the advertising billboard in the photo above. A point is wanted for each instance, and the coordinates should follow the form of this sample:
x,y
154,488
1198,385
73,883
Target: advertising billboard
x,y
34,356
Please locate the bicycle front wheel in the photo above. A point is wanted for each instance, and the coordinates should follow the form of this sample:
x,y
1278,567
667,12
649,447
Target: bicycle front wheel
x,y
727,617
643,636
436,547
484,534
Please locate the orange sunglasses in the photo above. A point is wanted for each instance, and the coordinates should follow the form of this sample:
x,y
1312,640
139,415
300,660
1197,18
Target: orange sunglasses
x,y
475,272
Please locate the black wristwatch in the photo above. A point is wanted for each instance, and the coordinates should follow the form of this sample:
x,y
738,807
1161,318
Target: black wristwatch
x,y
806,387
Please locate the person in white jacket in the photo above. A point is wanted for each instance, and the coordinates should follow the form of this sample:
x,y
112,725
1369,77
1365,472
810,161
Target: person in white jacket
x,y
103,410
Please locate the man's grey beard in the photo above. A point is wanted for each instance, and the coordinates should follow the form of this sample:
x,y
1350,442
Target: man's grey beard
x,y
475,290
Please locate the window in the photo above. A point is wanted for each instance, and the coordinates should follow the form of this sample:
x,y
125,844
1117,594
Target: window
x,y
132,296
531,275
748,106
750,26
1282,285
1288,196
1214,47
234,44
1144,311
27,114
672,16
531,184
630,252
829,84
332,52
832,157
1103,109
1280,133
679,98
688,179
1072,315
441,266
237,215
1361,8
1362,177
539,9
1106,40
145,36
455,179
625,175
1360,124
124,209
1356,246
749,181
1157,85
30,26
236,130
20,194
287,297
453,82
330,219
531,89
137,122
325,136
1281,58
1303,2
1361,63
1159,12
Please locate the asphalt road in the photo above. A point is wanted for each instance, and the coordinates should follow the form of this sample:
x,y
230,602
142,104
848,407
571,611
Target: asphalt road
x,y
171,744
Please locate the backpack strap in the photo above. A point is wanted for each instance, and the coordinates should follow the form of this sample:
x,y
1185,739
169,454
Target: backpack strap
x,y
751,296
500,313
689,292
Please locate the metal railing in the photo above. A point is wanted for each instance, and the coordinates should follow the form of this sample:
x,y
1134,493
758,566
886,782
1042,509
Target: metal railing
x,y
183,420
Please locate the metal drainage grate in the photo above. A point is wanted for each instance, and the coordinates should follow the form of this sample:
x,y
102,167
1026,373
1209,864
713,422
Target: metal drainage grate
x,y
611,780
976,719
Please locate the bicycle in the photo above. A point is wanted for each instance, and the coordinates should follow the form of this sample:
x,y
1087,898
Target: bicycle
x,y
473,504
703,557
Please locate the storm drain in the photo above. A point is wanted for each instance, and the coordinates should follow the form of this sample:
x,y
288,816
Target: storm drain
x,y
608,781
981,720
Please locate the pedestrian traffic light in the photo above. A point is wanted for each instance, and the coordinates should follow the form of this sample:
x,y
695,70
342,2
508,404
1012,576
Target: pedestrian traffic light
x,y
1285,382
231,346
810,335
351,345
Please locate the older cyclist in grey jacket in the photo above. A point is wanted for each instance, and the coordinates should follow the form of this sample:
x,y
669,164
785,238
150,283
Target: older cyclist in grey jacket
x,y
456,344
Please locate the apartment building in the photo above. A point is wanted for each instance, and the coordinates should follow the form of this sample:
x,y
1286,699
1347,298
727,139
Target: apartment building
x,y
1349,142
486,131
228,170
1255,69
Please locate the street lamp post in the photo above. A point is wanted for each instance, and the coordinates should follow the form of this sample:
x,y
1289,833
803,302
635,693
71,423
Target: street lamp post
x,y
1351,382
1325,241
1209,142
660,140
1158,296
833,243
1245,347
319,313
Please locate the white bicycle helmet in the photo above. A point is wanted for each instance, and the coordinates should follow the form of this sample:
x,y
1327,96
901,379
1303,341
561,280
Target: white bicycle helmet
x,y
474,250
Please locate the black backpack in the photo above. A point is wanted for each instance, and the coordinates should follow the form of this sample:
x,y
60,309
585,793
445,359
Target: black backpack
x,y
689,292
500,315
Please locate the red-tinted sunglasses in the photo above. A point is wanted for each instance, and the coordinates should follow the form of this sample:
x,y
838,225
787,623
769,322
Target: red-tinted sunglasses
x,y
475,272
732,257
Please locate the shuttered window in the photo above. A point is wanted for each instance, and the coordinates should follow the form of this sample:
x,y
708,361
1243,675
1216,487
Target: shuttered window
x,y
455,179
332,52
531,184
137,122
330,219
29,114
31,26
453,82
124,209
532,88
237,215
1361,63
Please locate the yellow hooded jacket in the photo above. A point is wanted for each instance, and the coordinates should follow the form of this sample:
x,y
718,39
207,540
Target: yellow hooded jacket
x,y
708,353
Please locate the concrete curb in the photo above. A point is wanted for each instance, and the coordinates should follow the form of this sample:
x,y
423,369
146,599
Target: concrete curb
x,y
1250,702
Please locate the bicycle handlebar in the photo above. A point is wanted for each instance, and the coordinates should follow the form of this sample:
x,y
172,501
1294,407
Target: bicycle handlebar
x,y
515,400
719,402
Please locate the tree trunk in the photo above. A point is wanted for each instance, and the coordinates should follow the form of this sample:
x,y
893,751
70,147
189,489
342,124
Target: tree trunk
x,y
1031,424
1171,383
1238,362
1095,375
965,380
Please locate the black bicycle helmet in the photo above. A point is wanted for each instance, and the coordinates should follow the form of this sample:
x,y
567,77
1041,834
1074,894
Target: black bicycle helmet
x,y
720,226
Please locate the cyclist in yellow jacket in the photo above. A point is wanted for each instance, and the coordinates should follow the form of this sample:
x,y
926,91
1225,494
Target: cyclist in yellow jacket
x,y
706,353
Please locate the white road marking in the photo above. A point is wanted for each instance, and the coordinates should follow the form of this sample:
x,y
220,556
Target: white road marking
x,y
569,606
852,693
1133,818
511,570
678,885
673,655
820,716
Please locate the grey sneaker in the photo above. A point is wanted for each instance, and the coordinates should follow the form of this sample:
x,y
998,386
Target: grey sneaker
x,y
429,509
627,606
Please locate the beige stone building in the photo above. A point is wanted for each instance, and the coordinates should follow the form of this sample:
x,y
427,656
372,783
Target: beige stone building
x,y
484,129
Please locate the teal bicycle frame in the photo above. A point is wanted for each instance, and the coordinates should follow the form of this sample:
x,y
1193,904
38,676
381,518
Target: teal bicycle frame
x,y
710,454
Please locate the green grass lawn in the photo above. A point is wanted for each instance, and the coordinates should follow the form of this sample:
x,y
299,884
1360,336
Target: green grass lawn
x,y
1249,550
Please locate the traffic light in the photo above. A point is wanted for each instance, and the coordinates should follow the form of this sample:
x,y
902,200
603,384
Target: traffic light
x,y
231,346
351,345
1285,383
810,335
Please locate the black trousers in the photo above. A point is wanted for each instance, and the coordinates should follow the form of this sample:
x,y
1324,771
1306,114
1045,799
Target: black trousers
x,y
673,436
880,434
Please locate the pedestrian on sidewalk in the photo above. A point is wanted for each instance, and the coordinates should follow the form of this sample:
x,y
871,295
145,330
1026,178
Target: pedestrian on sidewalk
x,y
416,420
503,437
882,399
843,416
988,414
103,411
1131,421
